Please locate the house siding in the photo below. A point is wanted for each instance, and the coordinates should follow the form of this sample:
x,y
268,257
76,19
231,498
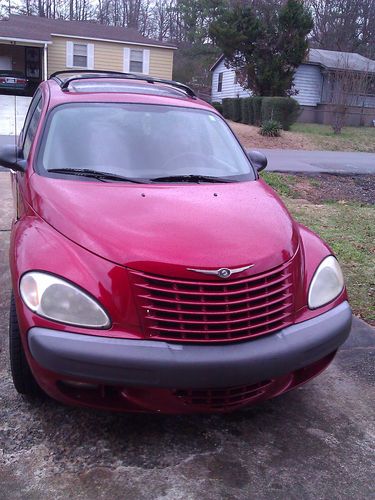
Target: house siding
x,y
229,88
110,56
308,80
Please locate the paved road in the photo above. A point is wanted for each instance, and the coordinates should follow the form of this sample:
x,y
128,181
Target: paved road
x,y
314,443
288,160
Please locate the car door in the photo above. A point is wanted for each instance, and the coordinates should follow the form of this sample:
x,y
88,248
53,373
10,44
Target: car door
x,y
25,141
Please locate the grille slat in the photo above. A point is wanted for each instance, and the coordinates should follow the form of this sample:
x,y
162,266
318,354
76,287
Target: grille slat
x,y
247,317
249,309
214,310
236,329
219,302
214,293
220,283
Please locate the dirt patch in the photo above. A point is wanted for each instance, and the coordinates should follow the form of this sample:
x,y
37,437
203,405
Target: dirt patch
x,y
250,138
320,188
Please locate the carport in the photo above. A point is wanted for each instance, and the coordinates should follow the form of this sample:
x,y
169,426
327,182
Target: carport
x,y
27,56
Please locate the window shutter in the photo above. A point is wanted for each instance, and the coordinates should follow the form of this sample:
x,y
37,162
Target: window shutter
x,y
126,60
90,56
69,54
146,62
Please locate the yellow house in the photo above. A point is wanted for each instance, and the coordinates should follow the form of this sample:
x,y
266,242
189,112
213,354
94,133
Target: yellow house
x,y
39,46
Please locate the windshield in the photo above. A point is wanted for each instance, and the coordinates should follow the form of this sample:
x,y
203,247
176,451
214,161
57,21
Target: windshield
x,y
142,141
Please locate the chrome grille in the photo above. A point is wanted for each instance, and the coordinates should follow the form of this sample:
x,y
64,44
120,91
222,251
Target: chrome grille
x,y
202,311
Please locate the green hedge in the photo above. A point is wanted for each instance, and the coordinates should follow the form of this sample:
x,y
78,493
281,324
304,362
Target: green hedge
x,y
284,110
257,110
218,106
232,109
226,107
235,109
247,114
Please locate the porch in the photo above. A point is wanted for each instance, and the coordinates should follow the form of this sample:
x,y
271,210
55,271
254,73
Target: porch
x,y
29,58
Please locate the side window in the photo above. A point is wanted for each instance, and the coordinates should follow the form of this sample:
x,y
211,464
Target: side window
x,y
220,82
29,114
30,129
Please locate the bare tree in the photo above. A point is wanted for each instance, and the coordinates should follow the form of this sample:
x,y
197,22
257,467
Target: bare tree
x,y
346,87
344,25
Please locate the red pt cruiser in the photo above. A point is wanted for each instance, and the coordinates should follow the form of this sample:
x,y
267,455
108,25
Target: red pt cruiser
x,y
152,269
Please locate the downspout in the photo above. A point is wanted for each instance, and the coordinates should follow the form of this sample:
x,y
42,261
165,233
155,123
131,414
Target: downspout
x,y
45,65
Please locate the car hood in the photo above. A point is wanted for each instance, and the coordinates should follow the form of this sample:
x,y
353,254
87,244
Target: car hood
x,y
185,225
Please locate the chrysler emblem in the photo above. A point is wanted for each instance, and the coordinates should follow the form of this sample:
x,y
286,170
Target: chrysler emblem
x,y
223,272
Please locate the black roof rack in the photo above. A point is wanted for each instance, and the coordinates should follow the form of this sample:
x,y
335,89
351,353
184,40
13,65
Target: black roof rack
x,y
88,75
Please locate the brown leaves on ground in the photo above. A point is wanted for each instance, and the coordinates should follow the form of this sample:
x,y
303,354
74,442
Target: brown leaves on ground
x,y
250,138
343,189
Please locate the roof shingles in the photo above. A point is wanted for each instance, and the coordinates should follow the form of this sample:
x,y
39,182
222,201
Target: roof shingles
x,y
40,29
333,59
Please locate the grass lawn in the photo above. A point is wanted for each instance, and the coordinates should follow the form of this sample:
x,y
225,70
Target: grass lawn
x,y
308,137
349,229
350,139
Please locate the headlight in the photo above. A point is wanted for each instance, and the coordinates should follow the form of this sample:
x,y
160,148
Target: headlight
x,y
59,300
327,283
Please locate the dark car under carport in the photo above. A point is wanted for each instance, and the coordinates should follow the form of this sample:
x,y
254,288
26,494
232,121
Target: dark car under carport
x,y
13,81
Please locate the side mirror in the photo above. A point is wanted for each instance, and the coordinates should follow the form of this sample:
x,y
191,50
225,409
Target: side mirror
x,y
259,160
11,157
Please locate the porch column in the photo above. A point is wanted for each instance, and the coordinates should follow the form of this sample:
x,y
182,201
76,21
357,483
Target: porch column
x,y
45,65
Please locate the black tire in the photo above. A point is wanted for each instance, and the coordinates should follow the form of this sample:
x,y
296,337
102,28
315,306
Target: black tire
x,y
23,379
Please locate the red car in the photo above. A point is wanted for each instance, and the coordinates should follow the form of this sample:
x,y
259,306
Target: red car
x,y
152,268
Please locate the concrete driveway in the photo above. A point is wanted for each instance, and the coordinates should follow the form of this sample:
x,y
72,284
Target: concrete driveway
x,y
13,110
314,443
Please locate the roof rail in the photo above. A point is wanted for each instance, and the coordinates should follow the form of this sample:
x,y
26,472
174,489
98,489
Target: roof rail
x,y
89,74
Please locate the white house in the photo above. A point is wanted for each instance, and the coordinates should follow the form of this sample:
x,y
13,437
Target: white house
x,y
312,83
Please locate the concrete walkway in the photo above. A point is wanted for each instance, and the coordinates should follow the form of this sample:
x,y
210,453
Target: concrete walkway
x,y
333,162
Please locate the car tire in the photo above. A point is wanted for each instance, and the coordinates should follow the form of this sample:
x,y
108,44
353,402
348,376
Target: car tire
x,y
23,379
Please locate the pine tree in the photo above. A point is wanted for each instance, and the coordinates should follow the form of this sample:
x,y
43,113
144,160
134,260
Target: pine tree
x,y
264,50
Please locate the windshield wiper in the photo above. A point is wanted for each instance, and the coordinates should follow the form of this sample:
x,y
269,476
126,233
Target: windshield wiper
x,y
191,178
96,174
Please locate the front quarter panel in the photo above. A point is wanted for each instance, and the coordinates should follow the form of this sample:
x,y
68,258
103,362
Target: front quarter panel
x,y
314,251
37,246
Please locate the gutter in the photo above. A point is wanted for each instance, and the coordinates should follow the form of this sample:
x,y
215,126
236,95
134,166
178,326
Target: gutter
x,y
115,41
25,40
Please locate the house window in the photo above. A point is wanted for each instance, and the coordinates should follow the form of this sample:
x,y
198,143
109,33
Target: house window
x,y
80,55
136,61
220,82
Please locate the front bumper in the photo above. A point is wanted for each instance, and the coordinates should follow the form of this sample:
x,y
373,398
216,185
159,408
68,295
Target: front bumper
x,y
147,363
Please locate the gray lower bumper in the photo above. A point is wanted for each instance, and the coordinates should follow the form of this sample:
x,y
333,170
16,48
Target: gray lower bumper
x,y
160,364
